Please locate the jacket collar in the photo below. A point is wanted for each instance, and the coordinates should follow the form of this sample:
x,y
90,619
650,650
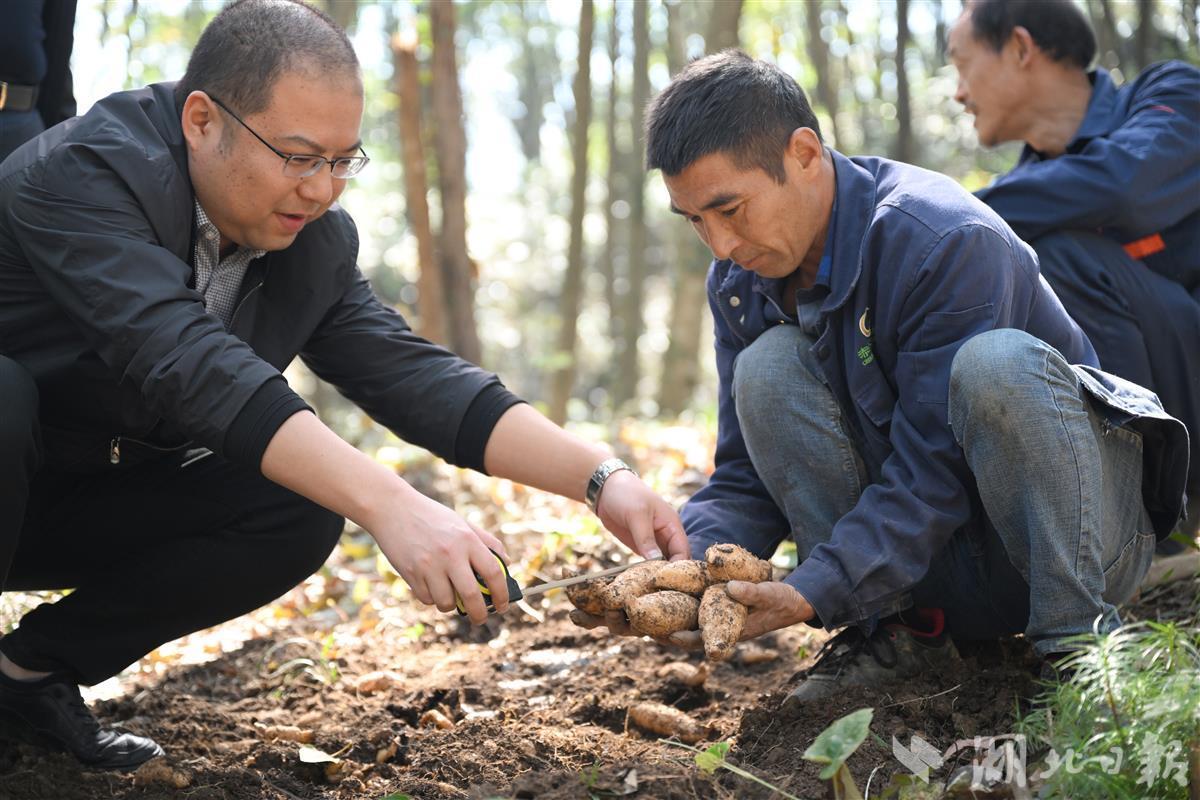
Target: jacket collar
x,y
170,124
1098,121
855,190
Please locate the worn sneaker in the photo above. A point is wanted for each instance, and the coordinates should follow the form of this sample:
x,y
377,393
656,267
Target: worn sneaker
x,y
1057,668
894,652
52,709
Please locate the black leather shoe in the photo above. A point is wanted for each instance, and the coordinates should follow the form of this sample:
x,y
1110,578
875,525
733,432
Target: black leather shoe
x,y
53,709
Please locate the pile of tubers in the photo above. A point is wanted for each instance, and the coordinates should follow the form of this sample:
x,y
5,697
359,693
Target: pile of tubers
x,y
664,597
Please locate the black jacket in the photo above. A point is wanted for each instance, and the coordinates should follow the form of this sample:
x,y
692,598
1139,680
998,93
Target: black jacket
x,y
97,302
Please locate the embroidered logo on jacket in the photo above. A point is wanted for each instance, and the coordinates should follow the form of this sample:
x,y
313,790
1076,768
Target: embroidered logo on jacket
x,y
865,353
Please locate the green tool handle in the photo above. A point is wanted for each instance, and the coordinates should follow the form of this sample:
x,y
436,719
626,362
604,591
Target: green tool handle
x,y
514,589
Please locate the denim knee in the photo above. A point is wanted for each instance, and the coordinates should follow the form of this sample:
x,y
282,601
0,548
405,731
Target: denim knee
x,y
989,366
768,374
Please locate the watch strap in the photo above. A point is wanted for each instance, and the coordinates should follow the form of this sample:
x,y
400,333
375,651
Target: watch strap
x,y
596,482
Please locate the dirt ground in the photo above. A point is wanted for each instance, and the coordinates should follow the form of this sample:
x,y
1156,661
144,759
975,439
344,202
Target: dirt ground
x,y
520,709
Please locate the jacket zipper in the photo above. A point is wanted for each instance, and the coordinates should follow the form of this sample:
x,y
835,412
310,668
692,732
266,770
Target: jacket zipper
x,y
114,448
242,302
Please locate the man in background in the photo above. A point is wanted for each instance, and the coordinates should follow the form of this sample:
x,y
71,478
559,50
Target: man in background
x,y
35,69
1107,188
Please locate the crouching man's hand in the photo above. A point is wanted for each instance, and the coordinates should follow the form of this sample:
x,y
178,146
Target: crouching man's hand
x,y
772,605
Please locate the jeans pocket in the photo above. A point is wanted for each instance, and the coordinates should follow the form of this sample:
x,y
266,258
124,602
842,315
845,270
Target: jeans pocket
x,y
1124,575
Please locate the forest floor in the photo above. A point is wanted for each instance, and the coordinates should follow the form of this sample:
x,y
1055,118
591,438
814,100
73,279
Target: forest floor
x,y
407,702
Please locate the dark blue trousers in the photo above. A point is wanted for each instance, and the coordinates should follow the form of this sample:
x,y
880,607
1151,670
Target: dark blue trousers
x,y
1145,328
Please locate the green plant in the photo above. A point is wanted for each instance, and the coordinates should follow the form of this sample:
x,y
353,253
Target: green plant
x,y
713,758
1123,721
590,775
320,667
837,743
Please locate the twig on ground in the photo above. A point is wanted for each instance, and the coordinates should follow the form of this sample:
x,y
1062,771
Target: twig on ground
x,y
919,699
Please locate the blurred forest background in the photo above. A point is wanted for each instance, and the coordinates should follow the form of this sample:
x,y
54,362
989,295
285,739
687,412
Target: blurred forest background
x,y
506,212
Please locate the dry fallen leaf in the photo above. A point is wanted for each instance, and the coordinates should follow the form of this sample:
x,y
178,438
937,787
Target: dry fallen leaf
x,y
379,681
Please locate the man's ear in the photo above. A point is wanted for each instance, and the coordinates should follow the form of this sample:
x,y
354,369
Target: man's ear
x,y
805,149
200,121
1025,47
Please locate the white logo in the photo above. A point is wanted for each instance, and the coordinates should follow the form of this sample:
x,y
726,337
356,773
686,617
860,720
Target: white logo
x,y
919,757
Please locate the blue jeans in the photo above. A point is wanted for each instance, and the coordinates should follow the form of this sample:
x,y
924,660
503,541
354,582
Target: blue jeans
x,y
1063,535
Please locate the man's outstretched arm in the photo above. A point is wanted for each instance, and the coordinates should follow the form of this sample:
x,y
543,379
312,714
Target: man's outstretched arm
x,y
433,548
528,448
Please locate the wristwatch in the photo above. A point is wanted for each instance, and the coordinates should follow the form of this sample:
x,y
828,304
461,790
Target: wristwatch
x,y
596,483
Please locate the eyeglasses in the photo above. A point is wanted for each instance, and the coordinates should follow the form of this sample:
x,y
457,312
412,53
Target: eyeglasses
x,y
304,166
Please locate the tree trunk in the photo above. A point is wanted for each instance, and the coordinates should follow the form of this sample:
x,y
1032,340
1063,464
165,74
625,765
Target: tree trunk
x,y
939,34
614,181
529,126
1144,40
450,147
1190,9
631,305
431,314
723,25
1104,43
681,364
1108,22
344,12
906,145
572,294
818,51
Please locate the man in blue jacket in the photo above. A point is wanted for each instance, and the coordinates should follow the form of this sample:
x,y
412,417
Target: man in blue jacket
x,y
1107,188
163,258
901,394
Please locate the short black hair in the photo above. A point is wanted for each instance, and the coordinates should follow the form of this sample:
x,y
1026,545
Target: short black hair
x,y
727,103
1058,27
251,43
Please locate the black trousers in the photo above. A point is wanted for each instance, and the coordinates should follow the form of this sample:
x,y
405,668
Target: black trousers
x,y
1145,328
152,551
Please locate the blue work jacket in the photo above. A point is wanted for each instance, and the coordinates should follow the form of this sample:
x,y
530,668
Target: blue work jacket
x,y
1132,172
919,266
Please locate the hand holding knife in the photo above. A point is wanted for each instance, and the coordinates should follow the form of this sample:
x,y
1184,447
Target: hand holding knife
x,y
515,592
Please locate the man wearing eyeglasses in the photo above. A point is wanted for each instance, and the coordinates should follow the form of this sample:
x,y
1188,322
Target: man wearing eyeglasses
x,y
162,259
